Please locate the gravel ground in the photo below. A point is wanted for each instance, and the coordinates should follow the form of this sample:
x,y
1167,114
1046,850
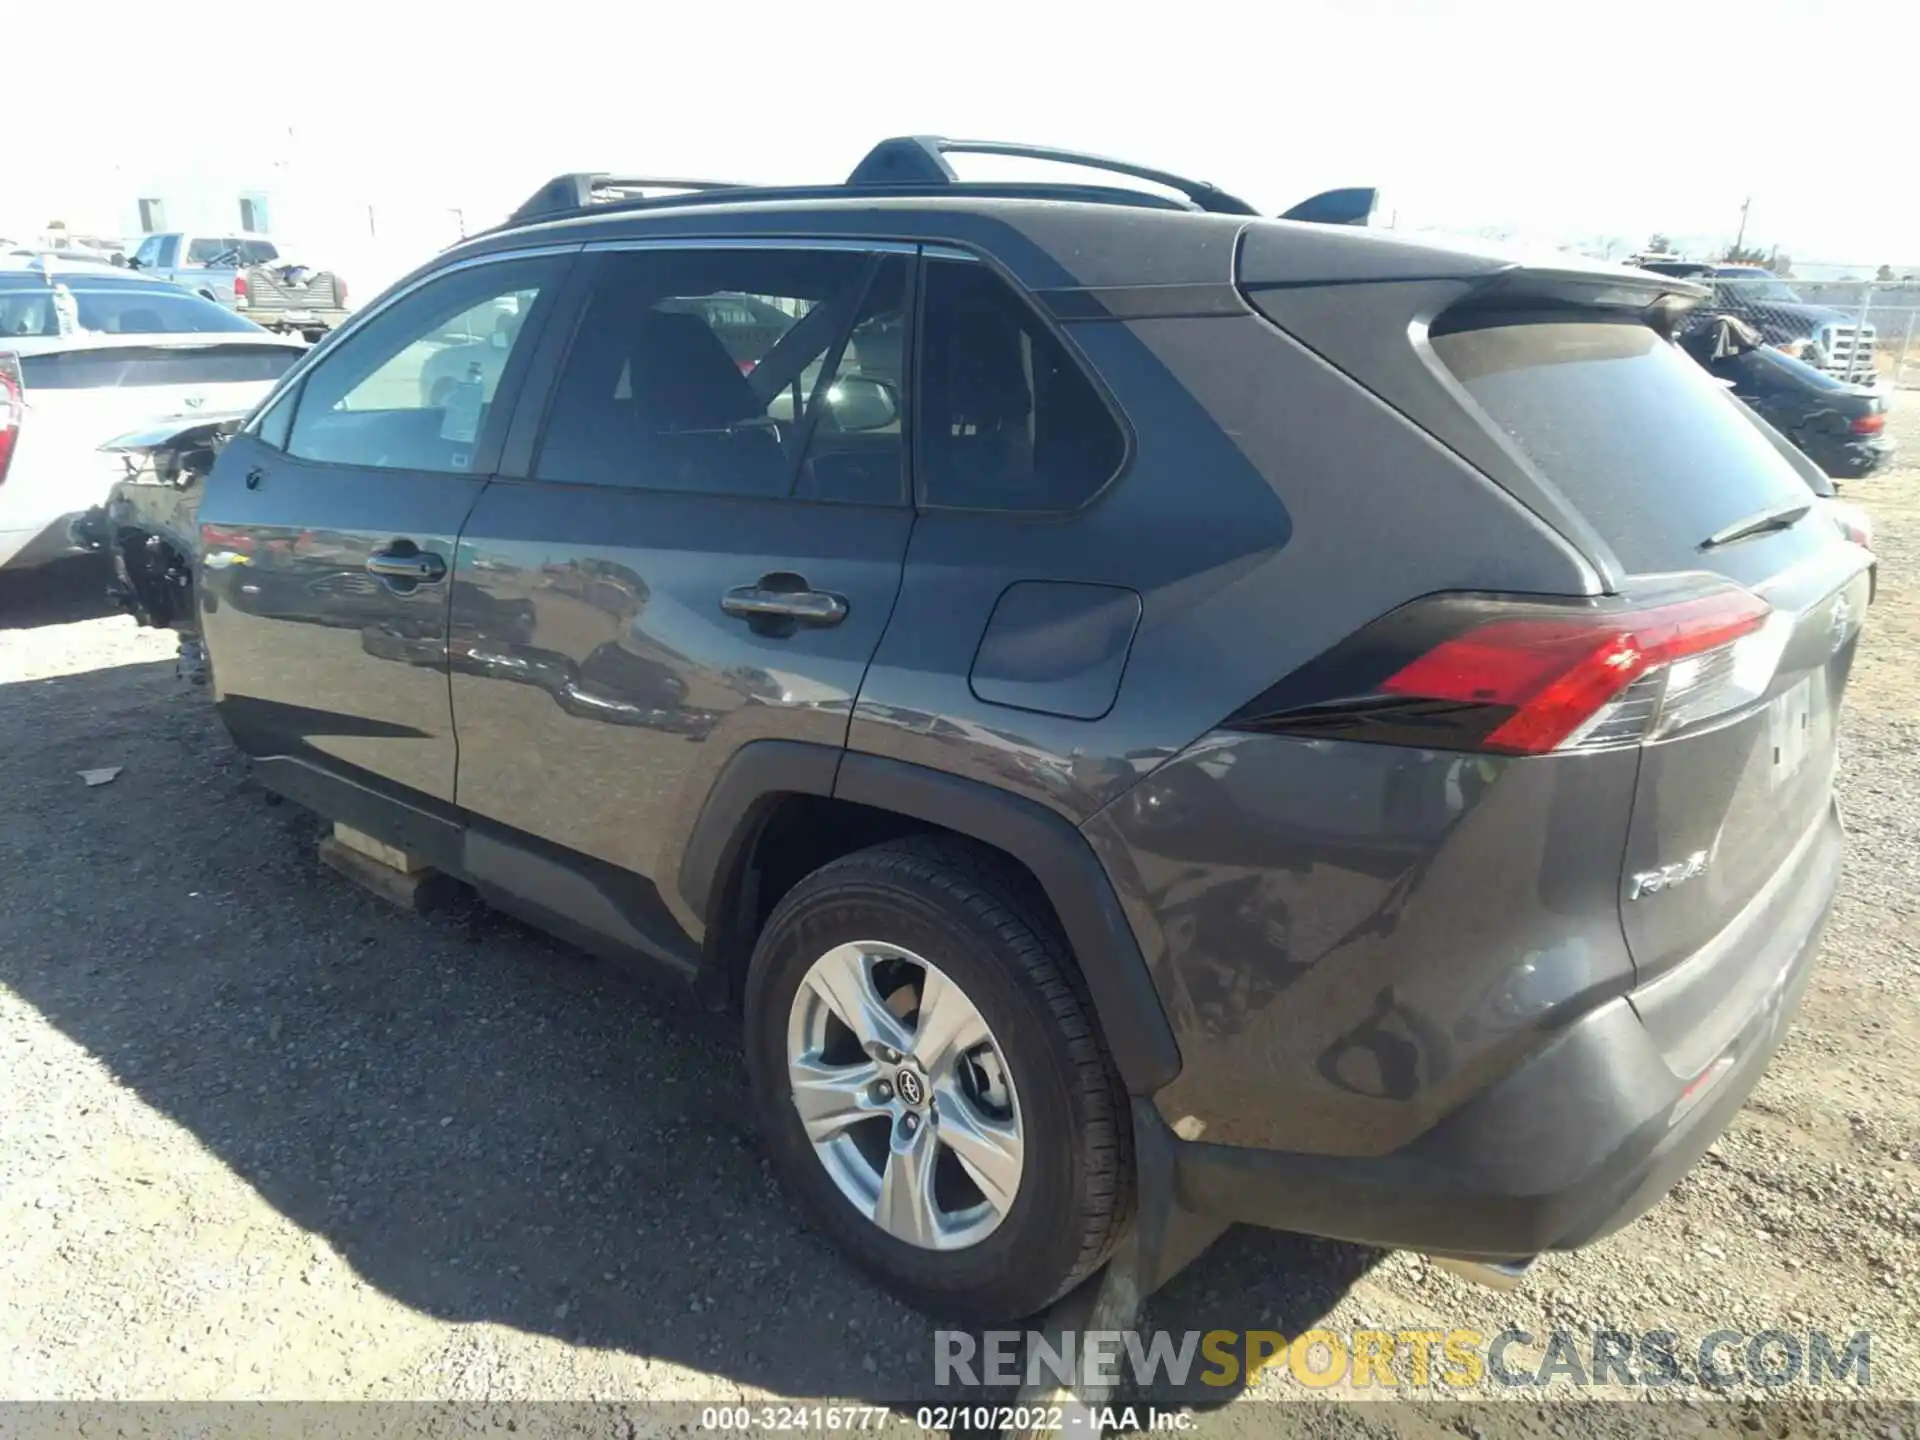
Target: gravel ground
x,y
265,1137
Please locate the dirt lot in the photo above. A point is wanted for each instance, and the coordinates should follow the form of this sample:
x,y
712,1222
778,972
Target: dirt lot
x,y
264,1137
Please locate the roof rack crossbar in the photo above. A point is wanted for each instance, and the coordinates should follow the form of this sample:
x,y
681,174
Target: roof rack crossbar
x,y
584,189
921,160
1084,194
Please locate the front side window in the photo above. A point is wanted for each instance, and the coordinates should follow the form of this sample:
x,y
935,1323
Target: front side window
x,y
168,255
1007,420
736,372
414,388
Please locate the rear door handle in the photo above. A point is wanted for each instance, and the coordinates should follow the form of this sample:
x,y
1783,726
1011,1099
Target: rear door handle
x,y
806,607
405,563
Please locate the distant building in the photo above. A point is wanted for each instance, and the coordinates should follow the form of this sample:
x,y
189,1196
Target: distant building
x,y
196,207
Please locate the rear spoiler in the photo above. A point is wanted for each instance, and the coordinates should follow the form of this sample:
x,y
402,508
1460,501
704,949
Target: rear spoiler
x,y
1659,300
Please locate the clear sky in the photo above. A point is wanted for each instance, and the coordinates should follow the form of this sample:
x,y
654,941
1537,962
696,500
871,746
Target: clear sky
x,y
1555,118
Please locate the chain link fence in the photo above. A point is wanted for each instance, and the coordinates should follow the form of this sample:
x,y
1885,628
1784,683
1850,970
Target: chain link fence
x,y
1863,331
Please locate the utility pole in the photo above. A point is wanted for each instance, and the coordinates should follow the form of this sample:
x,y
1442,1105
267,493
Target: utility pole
x,y
1744,206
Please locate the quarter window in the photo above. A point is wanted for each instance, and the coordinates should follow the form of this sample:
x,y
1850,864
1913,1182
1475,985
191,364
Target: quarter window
x,y
749,372
414,388
1007,419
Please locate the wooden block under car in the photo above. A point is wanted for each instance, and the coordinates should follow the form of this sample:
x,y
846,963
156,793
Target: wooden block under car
x,y
394,875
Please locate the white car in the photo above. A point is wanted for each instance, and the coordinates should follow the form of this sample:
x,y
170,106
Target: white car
x,y
88,353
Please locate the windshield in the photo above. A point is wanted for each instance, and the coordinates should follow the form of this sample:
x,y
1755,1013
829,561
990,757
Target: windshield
x,y
205,250
1759,287
114,310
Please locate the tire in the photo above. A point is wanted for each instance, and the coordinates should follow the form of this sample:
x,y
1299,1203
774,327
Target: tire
x,y
984,927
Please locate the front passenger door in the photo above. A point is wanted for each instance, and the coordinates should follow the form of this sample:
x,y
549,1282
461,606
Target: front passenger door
x,y
329,527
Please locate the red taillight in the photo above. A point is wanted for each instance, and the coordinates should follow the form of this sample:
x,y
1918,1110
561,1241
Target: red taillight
x,y
13,409
1868,424
214,537
1558,674
340,291
239,285
1523,677
1854,522
746,366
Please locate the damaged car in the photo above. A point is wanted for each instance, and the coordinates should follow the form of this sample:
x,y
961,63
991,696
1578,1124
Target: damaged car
x,y
149,527
87,354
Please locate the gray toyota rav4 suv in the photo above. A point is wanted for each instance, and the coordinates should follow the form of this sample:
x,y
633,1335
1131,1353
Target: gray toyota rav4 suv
x,y
1120,693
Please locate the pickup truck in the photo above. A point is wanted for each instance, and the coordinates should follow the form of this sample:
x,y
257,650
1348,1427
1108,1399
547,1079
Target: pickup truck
x,y
1830,340
247,273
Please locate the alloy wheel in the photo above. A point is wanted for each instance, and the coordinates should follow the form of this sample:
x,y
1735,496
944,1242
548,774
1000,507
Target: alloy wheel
x,y
905,1095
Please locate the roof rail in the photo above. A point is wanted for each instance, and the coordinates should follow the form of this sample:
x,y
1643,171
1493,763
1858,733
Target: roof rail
x,y
916,165
584,189
920,160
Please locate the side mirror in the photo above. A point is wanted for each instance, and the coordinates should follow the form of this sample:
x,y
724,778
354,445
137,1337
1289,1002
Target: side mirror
x,y
860,403
1352,206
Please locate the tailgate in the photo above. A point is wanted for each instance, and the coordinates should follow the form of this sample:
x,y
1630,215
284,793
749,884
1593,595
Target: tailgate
x,y
275,292
1688,490
1720,811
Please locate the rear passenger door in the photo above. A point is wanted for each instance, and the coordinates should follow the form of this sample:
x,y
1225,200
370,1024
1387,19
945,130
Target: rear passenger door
x,y
697,545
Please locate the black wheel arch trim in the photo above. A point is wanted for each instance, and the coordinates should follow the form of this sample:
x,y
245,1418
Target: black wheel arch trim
x,y
1124,999
731,814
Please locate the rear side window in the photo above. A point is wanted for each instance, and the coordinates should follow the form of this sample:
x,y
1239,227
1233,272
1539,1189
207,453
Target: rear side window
x,y
117,309
1643,442
1007,419
205,249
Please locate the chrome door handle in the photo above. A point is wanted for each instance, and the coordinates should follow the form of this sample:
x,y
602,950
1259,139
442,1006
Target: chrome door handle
x,y
807,607
410,566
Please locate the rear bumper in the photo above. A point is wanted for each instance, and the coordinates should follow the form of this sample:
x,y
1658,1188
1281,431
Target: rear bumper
x,y
1846,458
39,544
1583,1137
285,319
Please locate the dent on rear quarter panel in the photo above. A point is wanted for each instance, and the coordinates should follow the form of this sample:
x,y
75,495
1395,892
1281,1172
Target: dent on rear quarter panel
x,y
1349,939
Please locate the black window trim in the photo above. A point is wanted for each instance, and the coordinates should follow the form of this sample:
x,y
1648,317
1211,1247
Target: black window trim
x,y
521,452
487,457
1051,324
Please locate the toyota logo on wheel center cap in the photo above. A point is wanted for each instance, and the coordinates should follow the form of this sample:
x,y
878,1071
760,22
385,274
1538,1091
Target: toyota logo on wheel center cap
x,y
912,1089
